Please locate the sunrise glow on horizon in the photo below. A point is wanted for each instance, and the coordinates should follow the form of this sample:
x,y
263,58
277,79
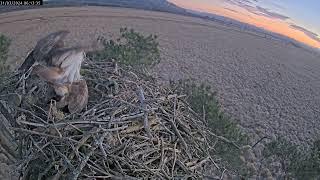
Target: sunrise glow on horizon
x,y
270,16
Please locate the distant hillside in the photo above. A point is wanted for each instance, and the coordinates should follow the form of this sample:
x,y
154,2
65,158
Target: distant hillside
x,y
155,5
251,29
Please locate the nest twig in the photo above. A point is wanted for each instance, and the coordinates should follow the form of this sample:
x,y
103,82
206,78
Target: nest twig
x,y
132,128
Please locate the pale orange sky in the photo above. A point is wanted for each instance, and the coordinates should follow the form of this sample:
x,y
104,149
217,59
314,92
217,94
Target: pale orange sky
x,y
241,14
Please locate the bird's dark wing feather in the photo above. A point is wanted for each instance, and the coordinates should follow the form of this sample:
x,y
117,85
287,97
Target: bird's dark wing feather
x,y
28,62
47,44
43,49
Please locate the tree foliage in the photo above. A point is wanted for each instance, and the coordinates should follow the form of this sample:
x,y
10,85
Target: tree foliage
x,y
132,49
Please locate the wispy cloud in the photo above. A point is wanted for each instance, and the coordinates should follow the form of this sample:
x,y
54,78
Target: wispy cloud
x,y
266,12
310,34
246,1
250,6
276,5
232,10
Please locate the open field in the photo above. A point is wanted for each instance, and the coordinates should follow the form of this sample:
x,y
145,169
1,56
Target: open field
x,y
269,87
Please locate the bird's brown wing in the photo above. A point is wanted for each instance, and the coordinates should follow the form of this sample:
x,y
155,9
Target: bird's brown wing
x,y
27,63
42,50
78,97
47,44
49,74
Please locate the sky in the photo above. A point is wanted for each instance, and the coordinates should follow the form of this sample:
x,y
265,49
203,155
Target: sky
x,y
298,19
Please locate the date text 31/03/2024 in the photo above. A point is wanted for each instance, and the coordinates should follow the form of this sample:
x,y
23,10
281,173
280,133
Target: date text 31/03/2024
x,y
21,2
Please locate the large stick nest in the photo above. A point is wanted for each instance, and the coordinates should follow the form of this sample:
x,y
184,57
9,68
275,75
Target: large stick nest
x,y
132,128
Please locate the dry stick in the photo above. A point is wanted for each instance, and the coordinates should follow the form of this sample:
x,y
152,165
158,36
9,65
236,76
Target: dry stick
x,y
140,108
54,126
32,90
98,122
77,172
45,112
56,129
42,134
117,132
191,110
141,165
144,106
96,167
184,127
100,141
165,174
265,137
94,107
99,177
162,155
75,152
208,153
192,162
76,128
183,167
29,112
164,127
180,137
49,113
175,129
142,152
64,158
174,160
152,160
118,110
37,146
224,139
222,175
200,164
23,84
119,166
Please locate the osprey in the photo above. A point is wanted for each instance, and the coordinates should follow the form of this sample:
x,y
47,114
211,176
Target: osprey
x,y
60,67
